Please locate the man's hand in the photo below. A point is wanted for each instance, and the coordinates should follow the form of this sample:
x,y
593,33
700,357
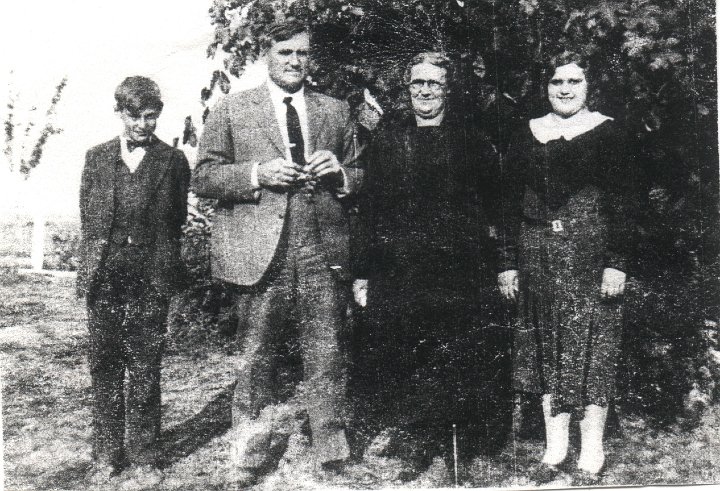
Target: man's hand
x,y
278,173
323,165
613,283
509,284
360,289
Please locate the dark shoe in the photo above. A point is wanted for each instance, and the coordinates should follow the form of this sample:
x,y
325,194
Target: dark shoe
x,y
244,477
142,477
416,461
543,473
585,479
100,474
255,446
335,466
331,448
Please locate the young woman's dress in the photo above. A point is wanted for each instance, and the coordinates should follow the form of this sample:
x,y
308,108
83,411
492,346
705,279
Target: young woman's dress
x,y
566,218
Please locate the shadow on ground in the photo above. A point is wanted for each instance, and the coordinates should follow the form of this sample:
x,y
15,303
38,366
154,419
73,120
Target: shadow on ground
x,y
182,440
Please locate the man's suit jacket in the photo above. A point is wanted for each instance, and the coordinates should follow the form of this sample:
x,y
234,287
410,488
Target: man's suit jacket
x,y
164,197
243,130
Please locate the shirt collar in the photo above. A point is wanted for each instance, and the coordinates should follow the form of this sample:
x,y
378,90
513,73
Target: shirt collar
x,y
278,94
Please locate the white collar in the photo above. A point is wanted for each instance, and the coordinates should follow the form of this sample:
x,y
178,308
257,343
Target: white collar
x,y
132,159
552,127
277,93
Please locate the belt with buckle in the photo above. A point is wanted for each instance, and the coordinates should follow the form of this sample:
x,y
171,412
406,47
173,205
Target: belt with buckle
x,y
126,241
556,226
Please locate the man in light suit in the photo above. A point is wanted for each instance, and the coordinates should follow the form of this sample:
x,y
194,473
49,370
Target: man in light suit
x,y
277,160
133,203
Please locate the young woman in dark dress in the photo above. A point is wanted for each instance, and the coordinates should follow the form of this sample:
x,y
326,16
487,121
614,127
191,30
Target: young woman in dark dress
x,y
566,190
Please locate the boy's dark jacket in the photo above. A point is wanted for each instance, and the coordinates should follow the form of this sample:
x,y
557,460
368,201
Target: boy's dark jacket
x,y
165,199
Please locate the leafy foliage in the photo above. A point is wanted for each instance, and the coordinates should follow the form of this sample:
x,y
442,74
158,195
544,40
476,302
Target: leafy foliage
x,y
27,163
652,65
203,312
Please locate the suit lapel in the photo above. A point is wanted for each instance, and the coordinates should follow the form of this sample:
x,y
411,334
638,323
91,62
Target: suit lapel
x,y
267,119
107,169
315,119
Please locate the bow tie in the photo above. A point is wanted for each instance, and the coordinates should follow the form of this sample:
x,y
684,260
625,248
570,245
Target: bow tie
x,y
132,145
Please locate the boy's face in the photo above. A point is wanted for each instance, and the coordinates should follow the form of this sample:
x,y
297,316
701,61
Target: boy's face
x,y
139,127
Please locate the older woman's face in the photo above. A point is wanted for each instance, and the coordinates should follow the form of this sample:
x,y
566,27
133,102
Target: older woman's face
x,y
428,90
567,90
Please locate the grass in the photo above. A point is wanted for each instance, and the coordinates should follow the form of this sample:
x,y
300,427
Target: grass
x,y
46,415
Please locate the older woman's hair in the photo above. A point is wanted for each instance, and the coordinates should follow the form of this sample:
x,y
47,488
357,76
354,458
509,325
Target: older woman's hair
x,y
282,31
137,93
435,58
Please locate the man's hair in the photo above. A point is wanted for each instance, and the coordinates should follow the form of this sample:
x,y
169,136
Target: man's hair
x,y
282,31
436,58
135,94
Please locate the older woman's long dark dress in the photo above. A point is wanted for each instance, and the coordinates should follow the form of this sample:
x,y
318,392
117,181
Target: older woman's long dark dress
x,y
434,351
567,218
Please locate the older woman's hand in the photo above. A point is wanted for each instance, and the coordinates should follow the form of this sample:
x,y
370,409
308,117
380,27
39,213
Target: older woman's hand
x,y
360,291
509,284
613,283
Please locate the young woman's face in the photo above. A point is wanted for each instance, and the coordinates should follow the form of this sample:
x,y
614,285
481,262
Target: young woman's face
x,y
567,90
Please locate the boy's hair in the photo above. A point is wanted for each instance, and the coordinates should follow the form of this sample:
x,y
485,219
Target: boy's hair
x,y
136,94
282,31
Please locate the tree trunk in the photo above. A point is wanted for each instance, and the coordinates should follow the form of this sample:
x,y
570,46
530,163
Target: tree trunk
x,y
37,255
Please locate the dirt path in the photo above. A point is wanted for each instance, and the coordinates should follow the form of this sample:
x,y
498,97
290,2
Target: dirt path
x,y
46,401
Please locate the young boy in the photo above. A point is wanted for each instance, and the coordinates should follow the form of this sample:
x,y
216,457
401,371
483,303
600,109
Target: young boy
x,y
133,202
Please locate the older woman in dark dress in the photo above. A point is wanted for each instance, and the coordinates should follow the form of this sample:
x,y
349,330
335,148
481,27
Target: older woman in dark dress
x,y
433,354
567,185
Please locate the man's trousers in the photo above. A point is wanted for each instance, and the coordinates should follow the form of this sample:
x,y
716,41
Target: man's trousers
x,y
301,301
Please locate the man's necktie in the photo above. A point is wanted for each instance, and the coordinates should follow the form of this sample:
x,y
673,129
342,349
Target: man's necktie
x,y
297,144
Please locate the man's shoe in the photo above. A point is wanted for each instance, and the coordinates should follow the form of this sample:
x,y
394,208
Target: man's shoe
x,y
145,477
250,445
335,466
100,474
332,449
244,477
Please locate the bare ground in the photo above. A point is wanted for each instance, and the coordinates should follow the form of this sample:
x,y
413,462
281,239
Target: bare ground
x,y
46,415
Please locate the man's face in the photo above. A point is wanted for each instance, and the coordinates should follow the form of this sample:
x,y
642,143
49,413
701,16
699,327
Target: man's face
x,y
288,61
139,127
567,90
428,90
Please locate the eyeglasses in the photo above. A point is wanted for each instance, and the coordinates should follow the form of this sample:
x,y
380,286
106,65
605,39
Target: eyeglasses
x,y
416,85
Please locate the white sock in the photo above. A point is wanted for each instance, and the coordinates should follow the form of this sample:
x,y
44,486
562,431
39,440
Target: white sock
x,y
592,430
557,433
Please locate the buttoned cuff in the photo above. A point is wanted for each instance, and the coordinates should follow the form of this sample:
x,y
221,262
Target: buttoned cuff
x,y
254,181
344,190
